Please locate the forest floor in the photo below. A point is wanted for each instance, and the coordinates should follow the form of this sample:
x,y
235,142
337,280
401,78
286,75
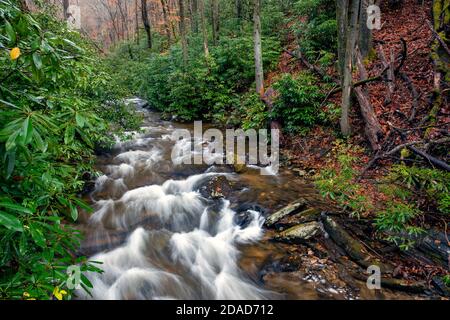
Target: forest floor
x,y
308,154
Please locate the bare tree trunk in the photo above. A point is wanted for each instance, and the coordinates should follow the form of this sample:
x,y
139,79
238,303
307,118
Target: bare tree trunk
x,y
66,4
166,21
239,10
201,7
136,4
342,20
184,43
365,34
373,129
215,20
146,22
194,15
124,20
259,70
24,6
351,36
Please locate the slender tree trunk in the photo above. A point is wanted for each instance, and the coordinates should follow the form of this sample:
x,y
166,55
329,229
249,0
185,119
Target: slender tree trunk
x,y
146,22
342,21
136,4
365,34
215,20
194,15
166,21
239,10
351,36
184,43
66,4
201,7
24,6
259,71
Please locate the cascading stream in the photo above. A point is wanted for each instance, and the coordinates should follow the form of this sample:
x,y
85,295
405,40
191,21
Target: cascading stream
x,y
176,244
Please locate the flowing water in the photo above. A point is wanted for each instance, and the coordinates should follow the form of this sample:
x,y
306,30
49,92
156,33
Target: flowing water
x,y
160,236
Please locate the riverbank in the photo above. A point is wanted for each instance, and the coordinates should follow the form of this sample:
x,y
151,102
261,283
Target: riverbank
x,y
309,262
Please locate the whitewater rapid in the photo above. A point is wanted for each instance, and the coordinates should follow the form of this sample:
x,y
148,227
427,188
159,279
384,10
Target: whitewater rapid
x,y
179,245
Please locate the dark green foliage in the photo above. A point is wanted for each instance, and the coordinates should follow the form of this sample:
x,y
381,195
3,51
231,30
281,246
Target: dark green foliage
x,y
236,64
298,102
317,30
50,122
207,89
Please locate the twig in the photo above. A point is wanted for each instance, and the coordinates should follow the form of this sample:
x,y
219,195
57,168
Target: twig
x,y
414,94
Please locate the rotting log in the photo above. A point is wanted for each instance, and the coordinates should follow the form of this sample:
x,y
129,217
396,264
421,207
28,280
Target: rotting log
x,y
395,284
356,251
432,160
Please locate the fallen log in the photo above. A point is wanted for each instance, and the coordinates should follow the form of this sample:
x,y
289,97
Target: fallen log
x,y
397,149
395,284
310,66
434,161
352,247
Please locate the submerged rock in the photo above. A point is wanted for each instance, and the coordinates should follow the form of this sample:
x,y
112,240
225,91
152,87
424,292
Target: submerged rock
x,y
300,233
217,188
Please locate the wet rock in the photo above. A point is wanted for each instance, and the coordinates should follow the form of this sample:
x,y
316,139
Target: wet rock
x,y
290,209
300,172
299,234
305,216
244,216
217,188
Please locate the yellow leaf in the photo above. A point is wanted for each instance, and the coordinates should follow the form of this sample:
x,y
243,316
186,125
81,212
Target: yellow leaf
x,y
57,294
15,53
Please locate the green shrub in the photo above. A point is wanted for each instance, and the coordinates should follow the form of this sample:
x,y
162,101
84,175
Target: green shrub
x,y
50,123
253,112
395,222
339,184
235,60
298,102
318,33
202,89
